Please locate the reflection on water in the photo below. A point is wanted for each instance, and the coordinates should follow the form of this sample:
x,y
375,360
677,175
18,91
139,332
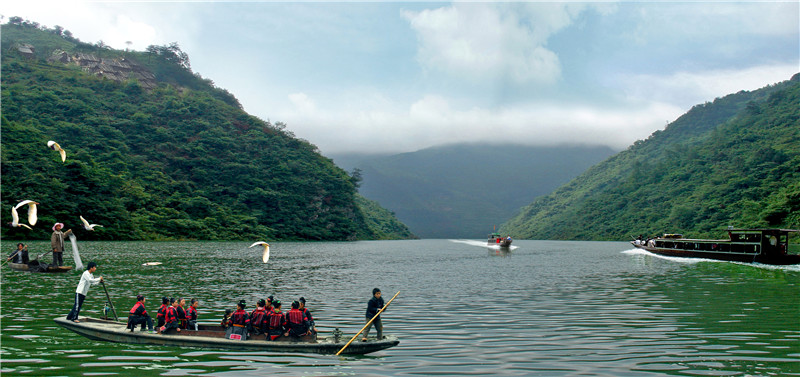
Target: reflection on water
x,y
542,308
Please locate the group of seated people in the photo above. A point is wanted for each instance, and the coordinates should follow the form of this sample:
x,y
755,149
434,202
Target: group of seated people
x,y
268,320
172,315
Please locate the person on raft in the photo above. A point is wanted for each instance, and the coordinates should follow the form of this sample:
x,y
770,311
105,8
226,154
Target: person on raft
x,y
138,315
259,318
87,280
162,312
239,323
20,255
171,318
57,243
296,322
191,314
311,326
374,305
277,322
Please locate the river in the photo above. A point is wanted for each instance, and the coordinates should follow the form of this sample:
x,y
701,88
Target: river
x,y
546,308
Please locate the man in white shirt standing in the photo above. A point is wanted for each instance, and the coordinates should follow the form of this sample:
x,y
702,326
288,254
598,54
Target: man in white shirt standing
x,y
87,280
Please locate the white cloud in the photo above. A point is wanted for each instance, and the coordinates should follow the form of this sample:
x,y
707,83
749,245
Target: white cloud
x,y
690,88
433,120
302,102
490,41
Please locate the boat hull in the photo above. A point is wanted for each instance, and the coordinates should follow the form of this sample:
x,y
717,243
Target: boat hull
x,y
207,337
51,269
724,256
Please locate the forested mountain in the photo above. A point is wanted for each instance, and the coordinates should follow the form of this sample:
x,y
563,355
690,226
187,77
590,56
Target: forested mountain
x,y
155,151
463,191
733,162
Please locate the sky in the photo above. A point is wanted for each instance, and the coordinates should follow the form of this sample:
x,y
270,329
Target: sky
x,y
391,77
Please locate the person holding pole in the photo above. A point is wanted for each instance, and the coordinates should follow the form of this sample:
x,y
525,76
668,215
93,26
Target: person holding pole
x,y
20,255
374,305
87,280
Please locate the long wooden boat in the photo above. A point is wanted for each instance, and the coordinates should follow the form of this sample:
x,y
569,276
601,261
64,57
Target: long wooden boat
x,y
767,246
34,266
210,336
497,239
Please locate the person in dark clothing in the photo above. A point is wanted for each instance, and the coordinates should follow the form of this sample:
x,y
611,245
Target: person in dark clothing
x,y
374,305
184,322
259,318
239,323
138,315
171,318
20,255
226,318
277,322
296,321
162,312
311,326
191,314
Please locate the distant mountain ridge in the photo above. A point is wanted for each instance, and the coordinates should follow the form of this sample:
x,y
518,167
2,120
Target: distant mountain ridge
x,y
732,162
464,190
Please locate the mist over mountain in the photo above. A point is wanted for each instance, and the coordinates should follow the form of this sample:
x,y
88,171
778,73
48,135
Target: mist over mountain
x,y
465,190
731,162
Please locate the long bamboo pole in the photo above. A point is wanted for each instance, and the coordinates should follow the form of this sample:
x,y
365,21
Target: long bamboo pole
x,y
10,258
368,323
109,301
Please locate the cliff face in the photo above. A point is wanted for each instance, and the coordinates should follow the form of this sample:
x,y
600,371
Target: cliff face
x,y
113,69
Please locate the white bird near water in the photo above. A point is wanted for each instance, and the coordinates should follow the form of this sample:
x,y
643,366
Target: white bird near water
x,y
86,224
265,256
32,214
54,146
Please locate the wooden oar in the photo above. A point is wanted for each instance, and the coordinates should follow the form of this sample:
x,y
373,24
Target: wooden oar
x,y
10,258
109,301
368,323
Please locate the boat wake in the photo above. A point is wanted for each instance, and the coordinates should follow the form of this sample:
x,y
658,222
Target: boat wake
x,y
482,244
795,267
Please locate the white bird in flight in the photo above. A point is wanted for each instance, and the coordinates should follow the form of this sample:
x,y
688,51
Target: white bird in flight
x,y
33,212
265,256
54,146
86,224
32,218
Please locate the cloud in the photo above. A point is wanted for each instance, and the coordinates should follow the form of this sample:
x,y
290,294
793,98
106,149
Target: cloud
x,y
434,120
686,89
491,42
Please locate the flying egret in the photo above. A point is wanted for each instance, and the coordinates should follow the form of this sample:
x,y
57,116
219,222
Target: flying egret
x,y
265,256
54,146
86,224
15,219
32,211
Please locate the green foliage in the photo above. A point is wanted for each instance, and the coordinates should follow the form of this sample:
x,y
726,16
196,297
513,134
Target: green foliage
x,y
181,161
382,222
731,162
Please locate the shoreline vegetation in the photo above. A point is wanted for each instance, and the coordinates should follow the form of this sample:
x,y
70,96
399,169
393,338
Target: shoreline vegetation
x,y
172,158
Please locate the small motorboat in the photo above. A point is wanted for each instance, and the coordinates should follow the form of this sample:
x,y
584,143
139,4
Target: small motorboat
x,y
497,239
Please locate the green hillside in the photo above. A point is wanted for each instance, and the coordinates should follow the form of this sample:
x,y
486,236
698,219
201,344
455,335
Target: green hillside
x,y
733,162
162,154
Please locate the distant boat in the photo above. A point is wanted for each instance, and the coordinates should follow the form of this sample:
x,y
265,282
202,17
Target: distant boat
x,y
213,336
767,246
496,239
35,266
